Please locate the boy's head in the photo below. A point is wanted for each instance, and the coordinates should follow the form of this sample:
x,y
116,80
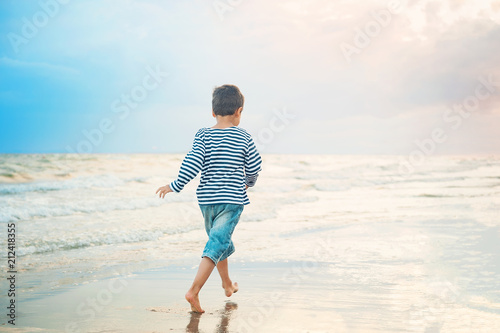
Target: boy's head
x,y
226,100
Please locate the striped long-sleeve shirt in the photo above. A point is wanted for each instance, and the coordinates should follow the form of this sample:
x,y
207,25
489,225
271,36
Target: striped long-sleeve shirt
x,y
228,160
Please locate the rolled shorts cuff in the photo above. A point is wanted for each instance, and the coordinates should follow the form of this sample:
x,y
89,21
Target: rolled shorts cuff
x,y
216,259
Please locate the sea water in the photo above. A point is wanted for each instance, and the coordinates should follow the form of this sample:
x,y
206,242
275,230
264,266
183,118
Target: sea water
x,y
433,233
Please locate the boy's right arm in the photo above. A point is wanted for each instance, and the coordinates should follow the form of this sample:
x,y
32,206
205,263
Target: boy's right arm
x,y
253,163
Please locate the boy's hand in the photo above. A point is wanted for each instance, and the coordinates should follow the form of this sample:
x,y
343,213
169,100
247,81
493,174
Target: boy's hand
x,y
164,190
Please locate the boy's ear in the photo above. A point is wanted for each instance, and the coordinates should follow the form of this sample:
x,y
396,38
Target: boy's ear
x,y
239,111
213,113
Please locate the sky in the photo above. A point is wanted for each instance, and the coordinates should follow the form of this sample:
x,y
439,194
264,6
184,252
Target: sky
x,y
319,76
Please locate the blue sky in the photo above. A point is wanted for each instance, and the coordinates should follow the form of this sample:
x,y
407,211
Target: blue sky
x,y
61,83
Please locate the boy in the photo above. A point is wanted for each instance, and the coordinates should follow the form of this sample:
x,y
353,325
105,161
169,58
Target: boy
x,y
229,163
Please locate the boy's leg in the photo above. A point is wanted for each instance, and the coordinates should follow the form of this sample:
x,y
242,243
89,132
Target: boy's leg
x,y
204,271
227,284
219,224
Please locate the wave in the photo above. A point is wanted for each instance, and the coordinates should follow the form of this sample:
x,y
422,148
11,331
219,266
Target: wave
x,y
91,239
323,187
43,209
98,181
425,195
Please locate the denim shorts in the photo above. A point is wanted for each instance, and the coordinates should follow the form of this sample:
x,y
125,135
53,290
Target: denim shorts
x,y
220,221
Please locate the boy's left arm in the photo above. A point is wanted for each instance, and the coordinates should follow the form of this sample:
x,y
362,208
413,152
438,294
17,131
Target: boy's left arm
x,y
191,166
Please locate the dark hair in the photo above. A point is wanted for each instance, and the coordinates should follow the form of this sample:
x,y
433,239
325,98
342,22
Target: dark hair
x,y
226,100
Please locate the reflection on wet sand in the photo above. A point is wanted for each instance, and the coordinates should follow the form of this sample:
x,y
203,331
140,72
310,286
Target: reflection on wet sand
x,y
194,322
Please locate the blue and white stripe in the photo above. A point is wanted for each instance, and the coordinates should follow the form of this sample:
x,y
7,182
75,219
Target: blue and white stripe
x,y
228,161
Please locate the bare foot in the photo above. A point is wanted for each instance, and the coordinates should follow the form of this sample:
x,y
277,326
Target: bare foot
x,y
195,302
231,289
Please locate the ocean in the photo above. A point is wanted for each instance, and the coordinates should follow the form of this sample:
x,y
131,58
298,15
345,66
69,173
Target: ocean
x,y
429,239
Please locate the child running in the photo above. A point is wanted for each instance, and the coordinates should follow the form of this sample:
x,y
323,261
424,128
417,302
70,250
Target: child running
x,y
229,163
